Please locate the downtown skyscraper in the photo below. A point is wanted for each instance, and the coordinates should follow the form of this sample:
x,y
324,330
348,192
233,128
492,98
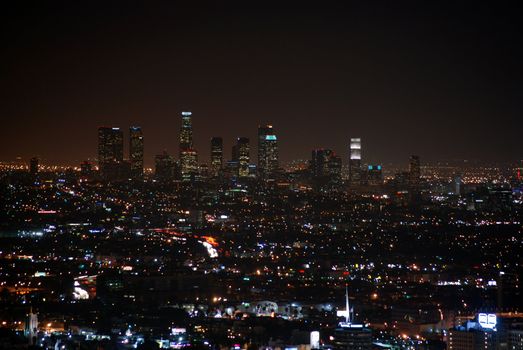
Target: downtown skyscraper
x,y
355,171
110,148
188,155
185,140
268,160
136,151
241,155
325,163
216,155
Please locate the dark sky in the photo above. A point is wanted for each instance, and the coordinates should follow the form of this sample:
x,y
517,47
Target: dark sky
x,y
434,78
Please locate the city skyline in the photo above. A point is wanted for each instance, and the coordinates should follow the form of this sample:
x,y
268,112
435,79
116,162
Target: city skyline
x,y
204,154
445,87
225,175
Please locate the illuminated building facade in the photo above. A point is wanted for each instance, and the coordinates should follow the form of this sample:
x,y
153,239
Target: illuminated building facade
x,y
136,151
352,337
242,154
188,155
216,155
185,141
375,175
188,163
355,161
110,151
349,335
480,333
268,160
334,167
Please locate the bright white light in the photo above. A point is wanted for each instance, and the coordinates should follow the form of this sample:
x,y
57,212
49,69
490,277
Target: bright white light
x,y
213,253
80,294
315,340
488,321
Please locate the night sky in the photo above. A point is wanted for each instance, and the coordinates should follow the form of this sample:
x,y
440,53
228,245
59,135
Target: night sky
x,y
438,79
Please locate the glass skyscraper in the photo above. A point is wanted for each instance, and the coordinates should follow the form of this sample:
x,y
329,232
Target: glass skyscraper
x,y
268,161
188,155
136,151
110,147
216,155
355,161
243,155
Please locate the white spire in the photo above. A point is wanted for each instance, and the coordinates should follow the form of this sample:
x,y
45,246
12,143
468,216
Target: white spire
x,y
347,312
347,309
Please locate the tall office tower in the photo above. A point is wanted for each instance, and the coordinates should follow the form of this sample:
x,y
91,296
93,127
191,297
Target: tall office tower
x,y
267,150
375,175
414,172
243,156
216,155
355,161
334,167
325,162
318,161
188,163
110,148
188,155
164,167
33,166
136,151
186,132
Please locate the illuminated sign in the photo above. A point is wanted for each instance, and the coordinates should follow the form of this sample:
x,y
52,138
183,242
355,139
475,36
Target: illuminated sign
x,y
488,321
178,331
186,113
270,137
